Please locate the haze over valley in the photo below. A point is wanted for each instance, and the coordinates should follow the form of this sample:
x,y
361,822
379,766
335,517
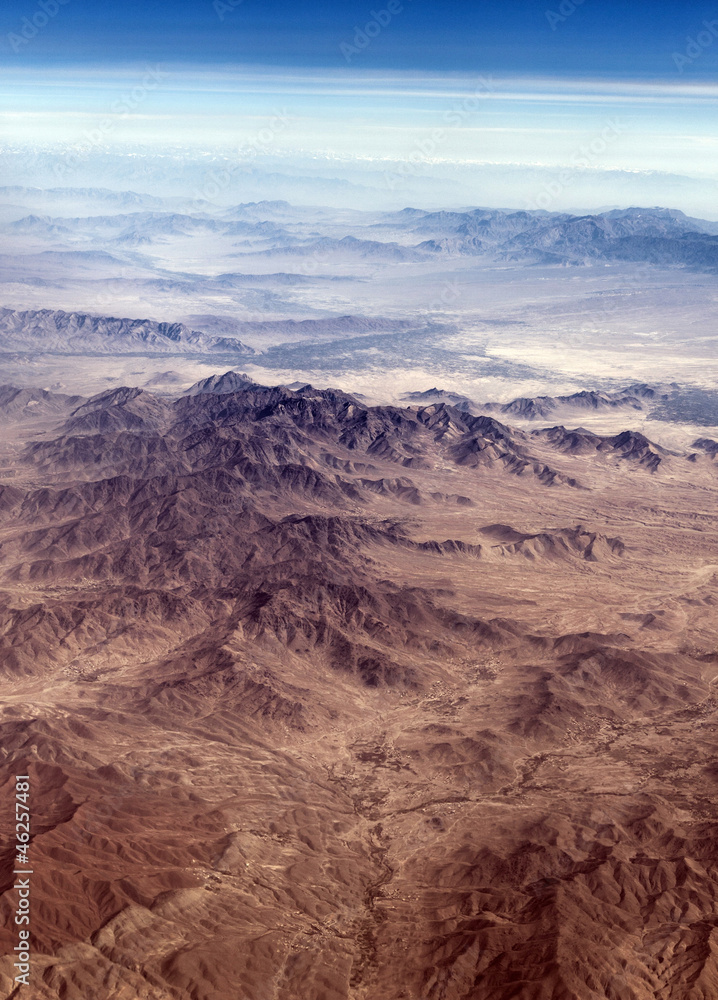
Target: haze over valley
x,y
487,303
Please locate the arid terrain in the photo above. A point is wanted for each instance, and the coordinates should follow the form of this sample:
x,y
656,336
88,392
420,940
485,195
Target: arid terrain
x,y
102,288
325,701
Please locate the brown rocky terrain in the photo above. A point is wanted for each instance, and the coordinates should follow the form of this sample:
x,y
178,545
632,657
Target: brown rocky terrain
x,y
323,701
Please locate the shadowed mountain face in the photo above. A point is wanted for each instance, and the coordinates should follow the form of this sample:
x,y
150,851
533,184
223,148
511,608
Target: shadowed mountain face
x,y
337,702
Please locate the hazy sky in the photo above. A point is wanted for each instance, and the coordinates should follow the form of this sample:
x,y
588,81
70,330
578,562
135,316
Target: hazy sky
x,y
596,88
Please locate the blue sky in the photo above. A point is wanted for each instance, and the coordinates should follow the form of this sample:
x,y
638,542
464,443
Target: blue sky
x,y
597,38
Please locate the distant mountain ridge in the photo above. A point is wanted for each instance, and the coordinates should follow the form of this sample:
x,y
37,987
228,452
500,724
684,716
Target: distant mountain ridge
x,y
56,331
658,236
634,397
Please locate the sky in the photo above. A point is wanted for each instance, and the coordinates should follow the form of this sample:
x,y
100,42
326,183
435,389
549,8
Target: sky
x,y
614,93
605,38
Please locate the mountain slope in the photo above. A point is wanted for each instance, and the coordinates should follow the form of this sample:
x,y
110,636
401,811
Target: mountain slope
x,y
332,701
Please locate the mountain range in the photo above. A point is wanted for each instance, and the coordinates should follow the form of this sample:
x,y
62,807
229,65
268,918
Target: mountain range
x,y
656,236
336,701
634,397
59,332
